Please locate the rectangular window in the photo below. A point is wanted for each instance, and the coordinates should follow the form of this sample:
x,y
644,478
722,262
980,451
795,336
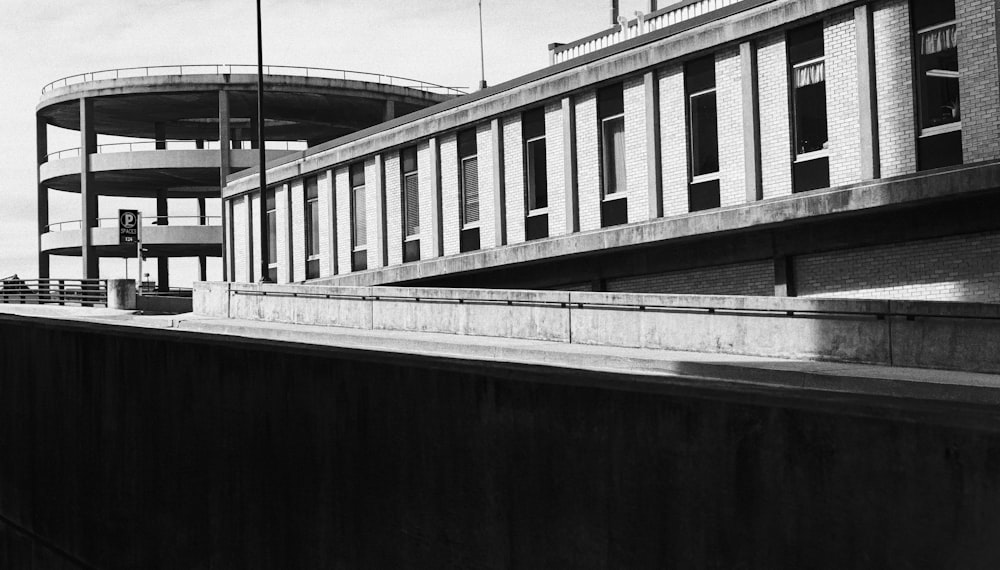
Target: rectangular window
x,y
806,57
312,227
939,112
271,210
469,177
359,218
411,194
703,134
536,178
611,114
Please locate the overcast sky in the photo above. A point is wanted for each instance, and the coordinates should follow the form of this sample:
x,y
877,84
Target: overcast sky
x,y
432,40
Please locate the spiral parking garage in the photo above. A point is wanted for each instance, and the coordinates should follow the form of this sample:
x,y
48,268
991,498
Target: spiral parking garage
x,y
187,128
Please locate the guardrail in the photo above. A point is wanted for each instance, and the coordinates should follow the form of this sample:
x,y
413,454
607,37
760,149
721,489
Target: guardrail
x,y
627,29
146,221
925,334
83,292
145,146
250,69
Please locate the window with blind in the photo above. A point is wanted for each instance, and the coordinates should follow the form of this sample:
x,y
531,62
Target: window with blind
x,y
468,177
312,227
359,219
807,61
271,210
411,194
938,108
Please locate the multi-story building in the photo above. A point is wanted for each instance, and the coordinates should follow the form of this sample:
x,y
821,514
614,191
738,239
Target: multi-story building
x,y
178,132
761,147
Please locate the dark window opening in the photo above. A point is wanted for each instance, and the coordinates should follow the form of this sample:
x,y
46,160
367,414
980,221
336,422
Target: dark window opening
x,y
611,113
312,227
468,177
359,219
536,179
270,207
411,194
806,56
939,112
699,78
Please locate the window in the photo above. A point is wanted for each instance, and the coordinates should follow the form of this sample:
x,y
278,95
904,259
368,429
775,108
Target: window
x,y
611,113
806,56
938,108
270,206
469,177
536,179
359,219
312,227
703,134
411,204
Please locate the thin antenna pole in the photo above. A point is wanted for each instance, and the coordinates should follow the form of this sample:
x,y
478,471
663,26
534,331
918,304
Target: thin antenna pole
x,y
262,217
482,55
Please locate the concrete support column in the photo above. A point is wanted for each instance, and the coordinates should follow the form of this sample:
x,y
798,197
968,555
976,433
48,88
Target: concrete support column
x,y
42,149
867,93
500,193
254,143
228,251
162,262
784,276
381,252
390,110
203,260
654,158
330,189
751,122
436,233
160,133
572,198
88,194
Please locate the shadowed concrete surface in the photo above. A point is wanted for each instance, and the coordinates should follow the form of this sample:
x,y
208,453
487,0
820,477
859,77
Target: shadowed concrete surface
x,y
185,442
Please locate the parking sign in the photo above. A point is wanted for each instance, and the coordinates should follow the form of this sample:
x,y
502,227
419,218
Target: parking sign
x,y
128,226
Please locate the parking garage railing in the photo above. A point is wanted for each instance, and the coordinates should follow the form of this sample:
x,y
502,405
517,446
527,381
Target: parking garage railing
x,y
82,292
146,221
142,146
251,69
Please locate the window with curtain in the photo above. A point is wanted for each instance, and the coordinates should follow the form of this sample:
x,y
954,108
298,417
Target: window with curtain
x,y
271,210
938,80
611,113
806,56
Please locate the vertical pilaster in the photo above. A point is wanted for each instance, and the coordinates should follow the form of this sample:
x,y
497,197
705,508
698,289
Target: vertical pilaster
x,y
375,210
751,121
784,277
160,134
499,187
572,199
42,149
436,233
162,261
328,198
88,193
867,93
654,182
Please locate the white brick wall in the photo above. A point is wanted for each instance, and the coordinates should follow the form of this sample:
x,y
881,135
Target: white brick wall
x,y
484,152
636,165
394,208
775,124
373,209
513,147
960,268
673,140
241,268
298,189
326,221
753,278
281,211
254,273
729,101
979,85
342,186
449,193
843,117
555,169
894,84
588,161
425,181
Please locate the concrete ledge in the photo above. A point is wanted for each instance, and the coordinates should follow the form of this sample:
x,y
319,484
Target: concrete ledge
x,y
952,336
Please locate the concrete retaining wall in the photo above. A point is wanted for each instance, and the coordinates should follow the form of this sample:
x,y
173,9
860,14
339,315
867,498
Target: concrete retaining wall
x,y
955,336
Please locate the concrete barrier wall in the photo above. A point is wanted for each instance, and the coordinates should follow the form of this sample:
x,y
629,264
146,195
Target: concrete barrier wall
x,y
956,336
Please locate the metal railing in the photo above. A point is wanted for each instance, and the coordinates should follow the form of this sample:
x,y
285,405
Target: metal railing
x,y
250,69
145,146
146,221
83,292
627,29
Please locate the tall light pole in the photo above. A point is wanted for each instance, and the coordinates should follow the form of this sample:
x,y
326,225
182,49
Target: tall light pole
x,y
265,246
482,56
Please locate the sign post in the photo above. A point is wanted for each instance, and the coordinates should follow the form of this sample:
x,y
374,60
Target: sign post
x,y
129,232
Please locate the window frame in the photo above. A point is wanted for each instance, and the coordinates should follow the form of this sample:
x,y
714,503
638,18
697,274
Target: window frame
x,y
311,207
354,189
468,151
270,205
404,177
950,127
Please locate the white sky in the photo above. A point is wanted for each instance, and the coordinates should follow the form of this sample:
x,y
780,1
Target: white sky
x,y
432,40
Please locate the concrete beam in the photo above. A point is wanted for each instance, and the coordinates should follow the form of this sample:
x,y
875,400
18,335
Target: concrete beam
x,y
753,180
654,159
229,255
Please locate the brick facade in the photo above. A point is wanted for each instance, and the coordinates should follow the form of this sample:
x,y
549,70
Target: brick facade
x,y
484,152
588,158
729,105
636,165
555,170
393,209
754,278
327,215
298,230
775,116
342,187
979,90
450,193
894,80
513,166
674,140
959,268
842,111
241,259
426,184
